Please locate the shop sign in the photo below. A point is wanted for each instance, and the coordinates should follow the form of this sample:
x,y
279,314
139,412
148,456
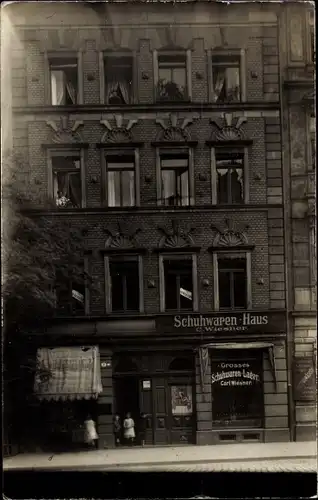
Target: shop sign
x,y
146,384
224,323
234,374
304,379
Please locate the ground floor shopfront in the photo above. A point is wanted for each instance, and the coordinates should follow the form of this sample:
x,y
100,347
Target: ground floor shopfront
x,y
195,386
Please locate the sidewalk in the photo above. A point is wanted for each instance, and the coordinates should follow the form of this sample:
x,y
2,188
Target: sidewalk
x,y
120,459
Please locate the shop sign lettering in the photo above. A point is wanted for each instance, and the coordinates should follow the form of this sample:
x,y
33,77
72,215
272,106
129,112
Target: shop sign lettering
x,y
241,377
71,364
238,322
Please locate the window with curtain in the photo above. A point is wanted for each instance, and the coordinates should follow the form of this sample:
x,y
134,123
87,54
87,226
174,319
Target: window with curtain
x,y
178,284
174,179
121,183
172,77
230,182
70,296
232,277
118,79
226,78
67,181
64,81
124,275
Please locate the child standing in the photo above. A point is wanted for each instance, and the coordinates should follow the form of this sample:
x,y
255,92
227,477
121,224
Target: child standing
x,y
117,429
91,436
129,429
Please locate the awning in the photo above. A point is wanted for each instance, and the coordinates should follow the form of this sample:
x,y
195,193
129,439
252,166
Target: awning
x,y
203,354
68,373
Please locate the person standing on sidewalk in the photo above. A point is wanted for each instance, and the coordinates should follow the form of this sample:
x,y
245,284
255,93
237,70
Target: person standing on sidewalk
x,y
117,429
143,428
91,436
129,429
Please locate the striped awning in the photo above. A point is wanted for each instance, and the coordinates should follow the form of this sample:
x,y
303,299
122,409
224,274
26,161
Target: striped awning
x,y
68,373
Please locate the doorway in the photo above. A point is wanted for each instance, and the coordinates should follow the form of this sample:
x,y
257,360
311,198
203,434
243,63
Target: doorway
x,y
127,396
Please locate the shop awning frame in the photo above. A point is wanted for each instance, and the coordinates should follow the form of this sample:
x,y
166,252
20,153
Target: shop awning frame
x,y
204,355
68,373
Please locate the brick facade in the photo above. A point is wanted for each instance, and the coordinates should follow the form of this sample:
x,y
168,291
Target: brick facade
x,y
276,212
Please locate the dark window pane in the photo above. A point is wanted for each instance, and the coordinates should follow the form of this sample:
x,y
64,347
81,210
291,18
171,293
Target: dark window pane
x,y
226,79
117,292
171,291
186,290
240,292
67,181
128,188
223,191
224,289
132,289
78,298
172,78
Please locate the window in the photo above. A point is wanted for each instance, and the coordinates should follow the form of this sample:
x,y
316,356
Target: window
x,y
125,287
232,277
174,179
121,181
178,278
230,182
71,297
64,81
226,78
172,77
67,180
118,72
237,392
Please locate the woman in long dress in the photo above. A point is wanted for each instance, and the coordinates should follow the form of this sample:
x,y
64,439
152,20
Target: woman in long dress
x,y
91,436
129,429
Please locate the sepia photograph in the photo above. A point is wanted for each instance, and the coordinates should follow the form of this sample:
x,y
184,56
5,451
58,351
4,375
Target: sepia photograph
x,y
159,283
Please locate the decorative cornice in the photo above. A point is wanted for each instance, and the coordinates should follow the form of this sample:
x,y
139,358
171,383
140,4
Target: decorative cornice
x,y
65,130
119,133
66,145
228,132
173,131
119,145
229,236
176,236
165,144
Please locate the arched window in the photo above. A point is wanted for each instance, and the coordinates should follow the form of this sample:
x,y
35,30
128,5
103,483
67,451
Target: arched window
x,y
125,365
181,364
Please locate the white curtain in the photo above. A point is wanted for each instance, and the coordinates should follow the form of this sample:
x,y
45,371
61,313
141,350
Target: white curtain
x,y
57,86
184,181
71,91
233,83
168,186
219,83
118,89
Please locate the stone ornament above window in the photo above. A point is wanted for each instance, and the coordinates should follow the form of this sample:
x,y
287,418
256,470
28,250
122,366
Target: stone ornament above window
x,y
230,130
118,132
176,236
173,130
66,131
121,237
231,235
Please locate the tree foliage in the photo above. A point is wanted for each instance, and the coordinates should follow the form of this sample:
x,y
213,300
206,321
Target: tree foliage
x,y
36,245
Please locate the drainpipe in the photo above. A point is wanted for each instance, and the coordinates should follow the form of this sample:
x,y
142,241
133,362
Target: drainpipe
x,y
286,159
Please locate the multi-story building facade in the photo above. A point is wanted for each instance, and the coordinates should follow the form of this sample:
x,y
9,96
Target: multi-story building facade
x,y
177,138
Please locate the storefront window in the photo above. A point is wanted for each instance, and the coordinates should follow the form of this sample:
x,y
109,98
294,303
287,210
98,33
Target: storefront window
x,y
237,390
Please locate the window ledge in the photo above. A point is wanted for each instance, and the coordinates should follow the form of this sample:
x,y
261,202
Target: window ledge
x,y
130,250
188,249
243,248
223,144
66,145
116,145
162,144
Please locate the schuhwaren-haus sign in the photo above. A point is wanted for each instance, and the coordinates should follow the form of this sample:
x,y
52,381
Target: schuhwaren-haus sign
x,y
244,322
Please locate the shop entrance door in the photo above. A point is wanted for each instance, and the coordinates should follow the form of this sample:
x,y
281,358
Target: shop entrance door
x,y
127,396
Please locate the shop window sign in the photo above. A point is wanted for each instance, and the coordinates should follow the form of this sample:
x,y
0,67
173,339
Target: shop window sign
x,y
237,392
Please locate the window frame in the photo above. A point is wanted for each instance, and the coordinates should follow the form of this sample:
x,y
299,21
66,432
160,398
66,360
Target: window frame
x,y
188,70
178,150
311,57
49,56
67,152
102,83
240,54
214,176
126,151
248,260
179,256
108,291
86,264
